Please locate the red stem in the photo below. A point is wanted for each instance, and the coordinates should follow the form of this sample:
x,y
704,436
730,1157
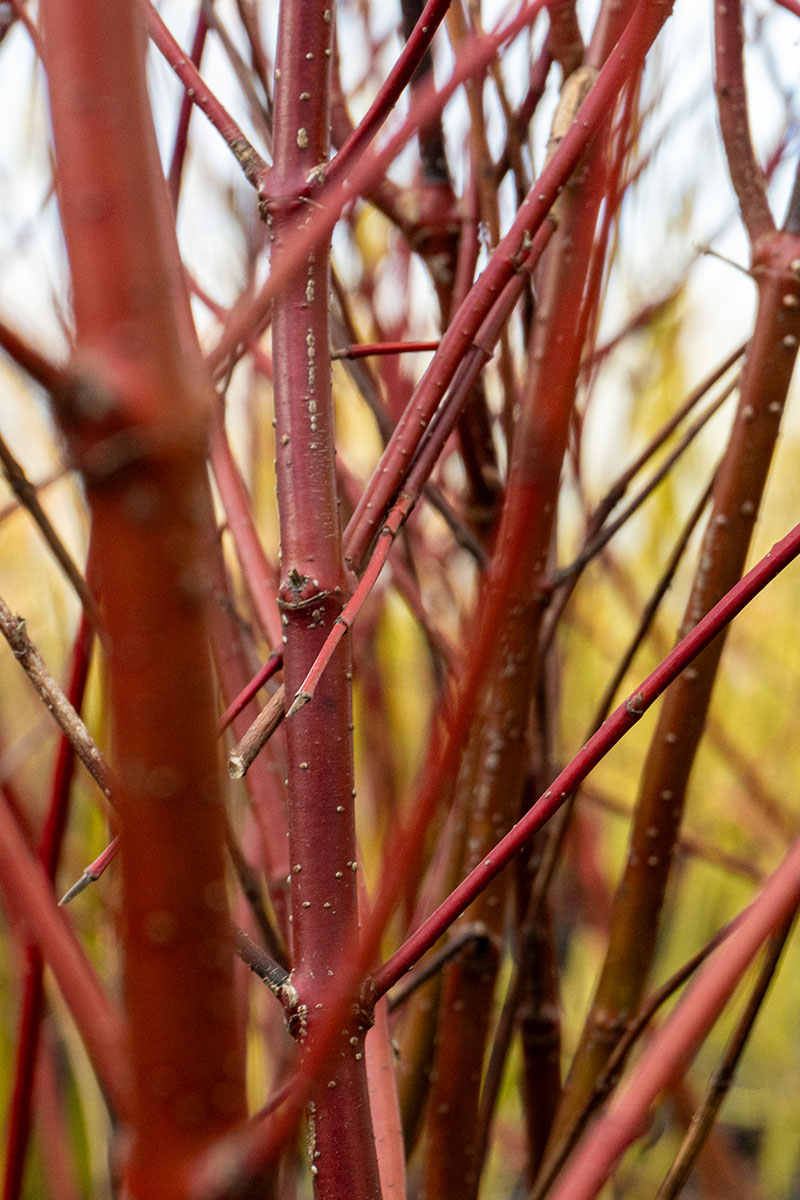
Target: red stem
x,y
317,226
51,377
435,439
322,843
33,996
198,92
438,433
620,721
246,1153
629,51
731,91
269,668
673,1047
390,91
138,429
378,348
30,904
92,873
184,117
510,250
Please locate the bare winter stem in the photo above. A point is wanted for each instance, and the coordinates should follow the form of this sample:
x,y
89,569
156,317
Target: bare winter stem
x,y
330,201
175,173
33,996
738,489
608,1079
257,735
92,873
723,1077
137,428
406,63
51,377
322,845
13,629
675,1044
620,721
746,174
246,155
29,901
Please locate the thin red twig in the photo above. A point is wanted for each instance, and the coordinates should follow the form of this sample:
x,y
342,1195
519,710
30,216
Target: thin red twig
x,y
620,721
199,93
676,1043
33,997
407,61
379,348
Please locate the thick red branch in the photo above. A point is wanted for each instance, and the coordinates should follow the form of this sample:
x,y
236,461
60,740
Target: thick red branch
x,y
136,425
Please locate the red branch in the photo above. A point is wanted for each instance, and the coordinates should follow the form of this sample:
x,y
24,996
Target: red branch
x,y
672,1049
198,92
620,721
746,174
322,844
33,996
29,901
137,427
392,88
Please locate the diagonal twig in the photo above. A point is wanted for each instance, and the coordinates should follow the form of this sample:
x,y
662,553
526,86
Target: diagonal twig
x,y
13,629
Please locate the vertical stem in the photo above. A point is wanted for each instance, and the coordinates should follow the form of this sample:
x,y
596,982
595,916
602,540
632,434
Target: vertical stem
x,y
137,427
182,133
747,177
319,738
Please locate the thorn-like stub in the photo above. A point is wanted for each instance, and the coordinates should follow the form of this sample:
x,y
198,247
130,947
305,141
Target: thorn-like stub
x,y
79,886
300,700
299,592
236,767
288,996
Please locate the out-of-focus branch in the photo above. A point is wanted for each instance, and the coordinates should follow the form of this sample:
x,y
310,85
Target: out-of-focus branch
x,y
731,92
722,1079
26,493
13,629
51,377
677,1041
29,901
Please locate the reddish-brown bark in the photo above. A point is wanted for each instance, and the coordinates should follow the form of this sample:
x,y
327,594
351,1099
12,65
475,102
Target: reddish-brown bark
x,y
738,488
135,405
499,725
322,846
137,428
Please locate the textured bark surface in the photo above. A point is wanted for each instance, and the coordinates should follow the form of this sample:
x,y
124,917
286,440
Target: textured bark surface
x,y
322,844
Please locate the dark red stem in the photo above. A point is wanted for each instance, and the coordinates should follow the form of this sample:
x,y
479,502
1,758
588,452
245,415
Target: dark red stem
x,y
313,587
